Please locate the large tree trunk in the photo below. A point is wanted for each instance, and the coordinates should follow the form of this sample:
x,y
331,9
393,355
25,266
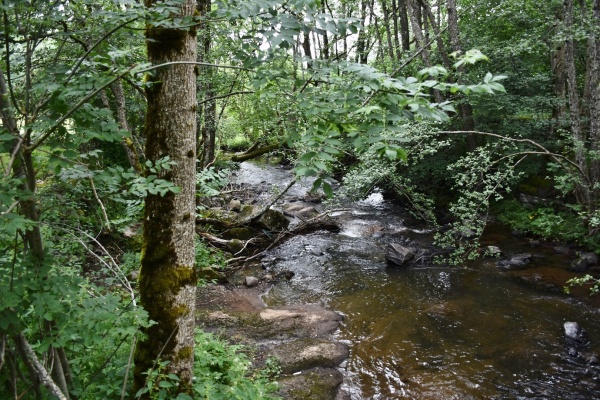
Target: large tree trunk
x,y
167,278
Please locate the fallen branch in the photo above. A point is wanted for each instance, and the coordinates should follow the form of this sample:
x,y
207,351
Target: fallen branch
x,y
31,359
249,155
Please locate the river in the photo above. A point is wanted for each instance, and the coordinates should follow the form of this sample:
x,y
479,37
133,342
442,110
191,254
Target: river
x,y
433,332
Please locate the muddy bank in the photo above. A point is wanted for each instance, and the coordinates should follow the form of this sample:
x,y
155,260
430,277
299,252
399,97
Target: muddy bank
x,y
298,337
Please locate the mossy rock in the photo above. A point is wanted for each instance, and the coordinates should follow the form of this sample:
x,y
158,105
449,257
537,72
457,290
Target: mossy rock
x,y
234,246
315,384
307,353
210,274
242,233
270,219
248,212
273,220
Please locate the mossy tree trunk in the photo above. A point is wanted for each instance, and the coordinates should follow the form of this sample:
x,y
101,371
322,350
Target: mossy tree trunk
x,y
167,277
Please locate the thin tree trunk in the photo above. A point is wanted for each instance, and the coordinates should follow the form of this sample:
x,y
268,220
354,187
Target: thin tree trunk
x,y
132,154
438,38
388,31
582,191
361,42
414,14
465,109
415,19
557,64
325,37
592,92
167,282
209,111
404,24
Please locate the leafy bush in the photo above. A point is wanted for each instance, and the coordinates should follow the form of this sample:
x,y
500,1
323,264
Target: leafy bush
x,y
547,223
221,372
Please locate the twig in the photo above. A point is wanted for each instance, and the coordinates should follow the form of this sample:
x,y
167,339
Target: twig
x,y
114,268
101,204
9,209
544,151
225,96
129,363
13,156
269,204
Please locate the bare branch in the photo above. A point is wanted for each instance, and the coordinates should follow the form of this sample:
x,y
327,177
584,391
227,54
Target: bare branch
x,y
544,151
106,221
41,373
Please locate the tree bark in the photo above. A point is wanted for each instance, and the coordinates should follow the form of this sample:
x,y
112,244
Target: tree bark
x,y
36,367
167,280
416,22
404,25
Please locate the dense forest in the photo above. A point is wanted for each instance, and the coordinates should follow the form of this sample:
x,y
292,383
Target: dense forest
x,y
120,118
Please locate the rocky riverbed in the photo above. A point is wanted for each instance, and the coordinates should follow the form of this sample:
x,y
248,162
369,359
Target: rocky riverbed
x,y
298,337
414,329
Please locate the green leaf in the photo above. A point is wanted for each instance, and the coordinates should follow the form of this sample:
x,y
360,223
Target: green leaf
x,y
327,189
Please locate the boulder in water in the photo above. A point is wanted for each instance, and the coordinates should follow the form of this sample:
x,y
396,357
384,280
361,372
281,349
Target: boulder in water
x,y
273,220
493,251
307,353
398,254
516,261
574,333
584,262
251,281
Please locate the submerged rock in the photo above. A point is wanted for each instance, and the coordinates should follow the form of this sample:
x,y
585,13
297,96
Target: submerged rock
x,y
515,262
398,254
492,251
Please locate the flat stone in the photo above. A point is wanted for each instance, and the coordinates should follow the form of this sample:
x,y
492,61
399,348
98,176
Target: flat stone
x,y
308,353
315,384
303,320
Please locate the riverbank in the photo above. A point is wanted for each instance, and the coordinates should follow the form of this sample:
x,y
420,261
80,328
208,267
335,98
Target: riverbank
x,y
296,338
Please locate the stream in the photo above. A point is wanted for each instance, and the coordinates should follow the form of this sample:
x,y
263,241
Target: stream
x,y
426,331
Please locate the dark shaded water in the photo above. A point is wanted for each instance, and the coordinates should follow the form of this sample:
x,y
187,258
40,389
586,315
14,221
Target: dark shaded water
x,y
435,332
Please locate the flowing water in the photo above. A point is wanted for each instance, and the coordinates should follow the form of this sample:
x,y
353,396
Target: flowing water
x,y
432,332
